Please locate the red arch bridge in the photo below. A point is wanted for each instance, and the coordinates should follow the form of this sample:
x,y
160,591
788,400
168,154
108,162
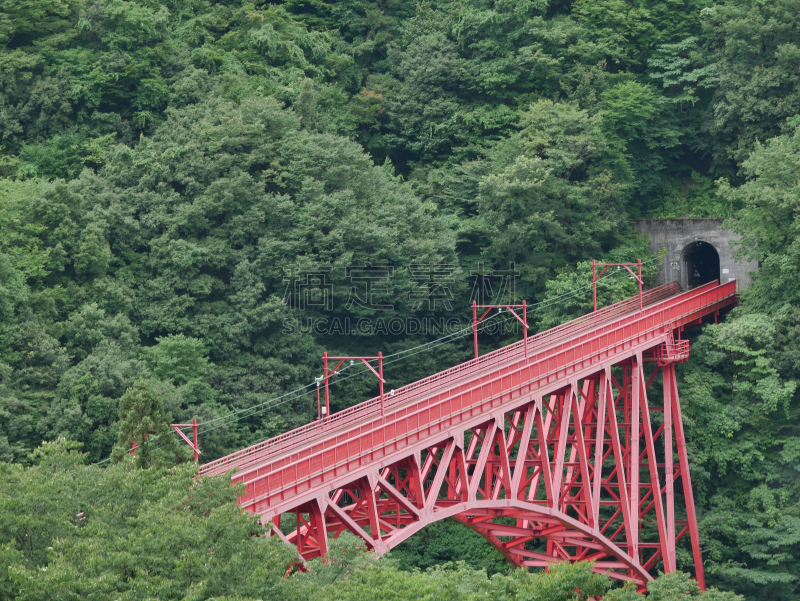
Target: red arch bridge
x,y
569,453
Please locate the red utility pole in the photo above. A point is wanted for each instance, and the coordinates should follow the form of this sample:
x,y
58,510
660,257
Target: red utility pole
x,y
523,320
326,375
192,444
327,409
136,445
596,277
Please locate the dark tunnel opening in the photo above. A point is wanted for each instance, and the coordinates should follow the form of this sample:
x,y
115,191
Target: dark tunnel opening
x,y
701,263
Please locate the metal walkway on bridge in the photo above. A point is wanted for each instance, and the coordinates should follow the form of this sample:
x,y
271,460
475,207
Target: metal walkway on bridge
x,y
556,456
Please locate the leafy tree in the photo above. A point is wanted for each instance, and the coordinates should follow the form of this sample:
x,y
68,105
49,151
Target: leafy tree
x,y
144,425
742,393
69,530
554,196
741,410
630,31
20,242
569,294
769,220
17,420
641,122
448,541
753,47
86,403
89,326
12,288
424,108
182,361
680,69
129,532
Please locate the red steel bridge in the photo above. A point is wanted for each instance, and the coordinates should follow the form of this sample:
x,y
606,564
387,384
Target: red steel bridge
x,y
568,452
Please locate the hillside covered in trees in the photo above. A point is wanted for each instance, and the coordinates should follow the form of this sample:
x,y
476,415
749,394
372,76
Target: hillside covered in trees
x,y
191,189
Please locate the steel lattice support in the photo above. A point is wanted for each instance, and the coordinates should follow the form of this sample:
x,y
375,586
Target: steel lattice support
x,y
582,473
559,455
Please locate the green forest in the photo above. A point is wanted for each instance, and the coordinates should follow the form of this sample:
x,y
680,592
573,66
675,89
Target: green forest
x,y
199,197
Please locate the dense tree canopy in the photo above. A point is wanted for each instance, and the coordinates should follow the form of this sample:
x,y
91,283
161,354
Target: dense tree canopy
x,y
157,533
200,197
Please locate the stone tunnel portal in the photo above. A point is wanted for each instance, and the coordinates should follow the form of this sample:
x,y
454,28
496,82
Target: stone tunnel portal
x,y
701,244
700,264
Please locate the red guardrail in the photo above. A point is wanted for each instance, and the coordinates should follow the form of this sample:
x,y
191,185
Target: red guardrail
x,y
303,434
672,351
481,394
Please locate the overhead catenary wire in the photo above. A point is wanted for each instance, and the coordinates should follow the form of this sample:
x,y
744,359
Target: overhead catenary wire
x,y
416,350
313,384
532,308
272,403
304,391
107,459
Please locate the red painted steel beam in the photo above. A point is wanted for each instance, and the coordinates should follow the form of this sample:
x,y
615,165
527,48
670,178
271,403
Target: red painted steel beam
x,y
284,442
526,440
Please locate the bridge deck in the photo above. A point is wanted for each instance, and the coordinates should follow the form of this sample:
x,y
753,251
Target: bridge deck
x,y
292,464
300,438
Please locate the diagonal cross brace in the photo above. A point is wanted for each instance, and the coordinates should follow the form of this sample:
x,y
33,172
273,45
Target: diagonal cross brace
x,y
193,426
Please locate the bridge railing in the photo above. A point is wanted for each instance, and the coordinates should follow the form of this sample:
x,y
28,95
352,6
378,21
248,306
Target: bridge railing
x,y
672,351
535,342
372,439
346,417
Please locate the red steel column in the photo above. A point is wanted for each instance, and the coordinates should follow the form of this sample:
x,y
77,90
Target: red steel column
x,y
683,458
525,326
194,436
619,458
626,419
327,389
652,462
669,472
475,327
599,432
641,306
594,285
380,379
633,458
316,525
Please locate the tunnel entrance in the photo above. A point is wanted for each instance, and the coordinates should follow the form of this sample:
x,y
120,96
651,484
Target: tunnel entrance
x,y
700,264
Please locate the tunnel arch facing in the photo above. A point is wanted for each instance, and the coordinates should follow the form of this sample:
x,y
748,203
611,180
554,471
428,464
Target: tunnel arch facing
x,y
700,264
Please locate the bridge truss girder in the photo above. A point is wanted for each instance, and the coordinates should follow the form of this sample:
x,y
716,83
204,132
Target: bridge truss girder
x,y
590,470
